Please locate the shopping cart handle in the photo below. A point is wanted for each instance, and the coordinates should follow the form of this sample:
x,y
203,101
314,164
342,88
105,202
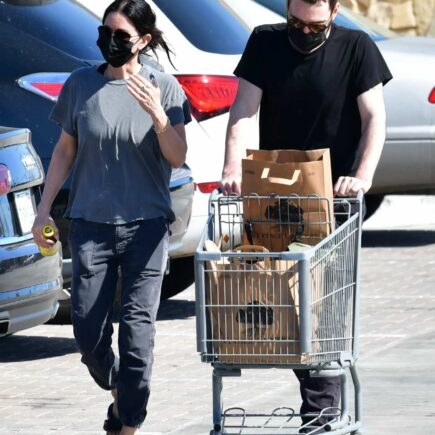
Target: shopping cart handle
x,y
215,194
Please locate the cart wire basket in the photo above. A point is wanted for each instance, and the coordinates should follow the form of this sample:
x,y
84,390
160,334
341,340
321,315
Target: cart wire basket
x,y
277,287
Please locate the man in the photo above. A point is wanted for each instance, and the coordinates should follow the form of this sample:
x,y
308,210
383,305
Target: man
x,y
317,86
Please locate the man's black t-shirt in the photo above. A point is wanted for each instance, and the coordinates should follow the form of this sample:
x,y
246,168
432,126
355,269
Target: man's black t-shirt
x,y
310,101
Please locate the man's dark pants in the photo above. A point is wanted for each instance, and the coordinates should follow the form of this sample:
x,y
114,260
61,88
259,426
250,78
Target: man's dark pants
x,y
139,250
319,393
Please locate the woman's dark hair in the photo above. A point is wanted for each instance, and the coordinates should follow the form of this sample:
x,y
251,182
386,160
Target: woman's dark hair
x,y
143,17
332,3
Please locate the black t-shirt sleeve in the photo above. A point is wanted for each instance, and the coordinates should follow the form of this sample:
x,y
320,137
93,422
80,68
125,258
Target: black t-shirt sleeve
x,y
250,64
370,68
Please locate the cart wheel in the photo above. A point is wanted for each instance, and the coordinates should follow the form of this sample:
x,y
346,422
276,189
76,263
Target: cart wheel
x,y
217,430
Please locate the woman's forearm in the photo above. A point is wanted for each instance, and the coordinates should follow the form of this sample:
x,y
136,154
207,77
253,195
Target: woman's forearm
x,y
60,167
172,140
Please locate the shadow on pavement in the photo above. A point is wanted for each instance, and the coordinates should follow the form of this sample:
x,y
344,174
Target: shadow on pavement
x,y
16,348
172,309
397,238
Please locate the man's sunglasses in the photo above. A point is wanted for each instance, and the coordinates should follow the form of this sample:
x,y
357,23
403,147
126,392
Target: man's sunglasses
x,y
120,35
318,27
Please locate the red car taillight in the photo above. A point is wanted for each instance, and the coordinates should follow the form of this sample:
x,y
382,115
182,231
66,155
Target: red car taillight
x,y
47,85
209,95
5,180
208,187
432,96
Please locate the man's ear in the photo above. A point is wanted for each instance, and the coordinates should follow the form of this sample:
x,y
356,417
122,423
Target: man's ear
x,y
336,9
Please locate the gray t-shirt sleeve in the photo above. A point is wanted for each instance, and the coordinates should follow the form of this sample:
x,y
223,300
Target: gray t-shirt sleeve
x,y
175,103
63,111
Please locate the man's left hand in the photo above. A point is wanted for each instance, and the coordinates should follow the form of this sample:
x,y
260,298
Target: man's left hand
x,y
350,186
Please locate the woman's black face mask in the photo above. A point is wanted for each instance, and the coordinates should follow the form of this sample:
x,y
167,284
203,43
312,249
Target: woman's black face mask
x,y
115,47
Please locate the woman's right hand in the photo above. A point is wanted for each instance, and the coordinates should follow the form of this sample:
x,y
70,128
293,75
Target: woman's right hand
x,y
40,221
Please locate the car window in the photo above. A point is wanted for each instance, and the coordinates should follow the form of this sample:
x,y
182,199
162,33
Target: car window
x,y
208,24
62,24
345,18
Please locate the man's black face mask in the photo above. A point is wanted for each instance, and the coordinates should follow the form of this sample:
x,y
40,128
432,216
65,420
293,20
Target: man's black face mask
x,y
306,42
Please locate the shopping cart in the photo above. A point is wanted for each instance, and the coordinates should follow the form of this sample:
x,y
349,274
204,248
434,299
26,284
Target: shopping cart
x,y
297,308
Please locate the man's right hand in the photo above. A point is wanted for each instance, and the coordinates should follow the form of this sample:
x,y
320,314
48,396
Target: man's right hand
x,y
231,181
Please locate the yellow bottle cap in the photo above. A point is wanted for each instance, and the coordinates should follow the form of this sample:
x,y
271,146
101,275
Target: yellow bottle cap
x,y
47,231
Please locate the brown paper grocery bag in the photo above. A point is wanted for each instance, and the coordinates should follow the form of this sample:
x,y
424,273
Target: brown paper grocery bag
x,y
277,222
254,309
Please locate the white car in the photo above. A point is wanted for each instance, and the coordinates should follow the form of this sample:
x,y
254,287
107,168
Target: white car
x,y
208,38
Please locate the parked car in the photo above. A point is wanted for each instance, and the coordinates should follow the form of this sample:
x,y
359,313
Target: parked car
x,y
30,284
408,159
41,42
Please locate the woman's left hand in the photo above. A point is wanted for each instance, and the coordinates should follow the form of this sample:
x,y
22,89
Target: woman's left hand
x,y
146,93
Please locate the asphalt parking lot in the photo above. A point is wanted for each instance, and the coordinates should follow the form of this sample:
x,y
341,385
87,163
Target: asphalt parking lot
x,y
44,389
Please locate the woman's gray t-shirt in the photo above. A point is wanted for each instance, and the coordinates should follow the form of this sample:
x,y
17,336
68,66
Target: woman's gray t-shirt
x,y
119,174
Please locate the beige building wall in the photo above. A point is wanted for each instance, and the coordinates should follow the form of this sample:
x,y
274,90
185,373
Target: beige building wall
x,y
412,17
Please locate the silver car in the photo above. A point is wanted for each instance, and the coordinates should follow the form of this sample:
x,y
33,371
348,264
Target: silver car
x,y
30,284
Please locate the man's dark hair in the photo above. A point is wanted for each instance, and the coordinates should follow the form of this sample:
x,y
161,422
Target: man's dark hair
x,y
332,3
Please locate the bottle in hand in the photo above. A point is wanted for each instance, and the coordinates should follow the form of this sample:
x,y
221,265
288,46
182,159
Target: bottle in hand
x,y
48,232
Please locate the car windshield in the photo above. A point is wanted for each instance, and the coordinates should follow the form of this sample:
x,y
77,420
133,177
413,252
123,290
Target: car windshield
x,y
63,24
212,27
345,18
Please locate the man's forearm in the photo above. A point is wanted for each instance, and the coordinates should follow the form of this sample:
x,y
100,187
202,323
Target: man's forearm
x,y
240,126
370,148
236,142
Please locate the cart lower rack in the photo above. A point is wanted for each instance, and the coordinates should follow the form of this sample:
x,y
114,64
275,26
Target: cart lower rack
x,y
292,308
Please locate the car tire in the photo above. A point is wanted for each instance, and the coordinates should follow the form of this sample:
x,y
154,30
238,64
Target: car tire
x,y
373,202
180,277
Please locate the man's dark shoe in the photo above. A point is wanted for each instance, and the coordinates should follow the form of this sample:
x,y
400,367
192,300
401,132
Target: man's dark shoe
x,y
112,423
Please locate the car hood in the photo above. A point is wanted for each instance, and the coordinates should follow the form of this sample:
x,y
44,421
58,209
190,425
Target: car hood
x,y
409,45
411,60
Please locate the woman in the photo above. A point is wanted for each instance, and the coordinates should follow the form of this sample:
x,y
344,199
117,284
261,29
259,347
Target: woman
x,y
122,131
